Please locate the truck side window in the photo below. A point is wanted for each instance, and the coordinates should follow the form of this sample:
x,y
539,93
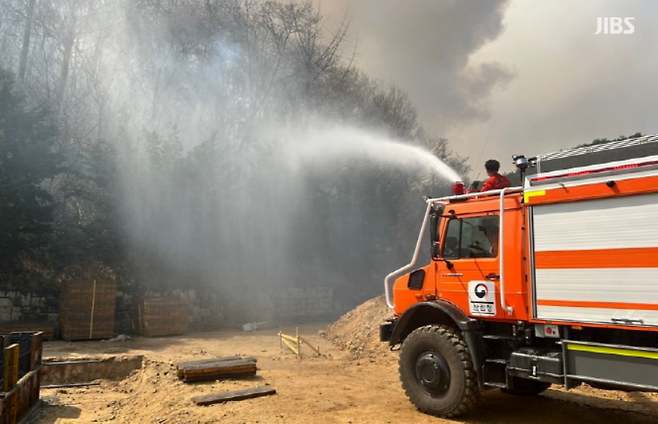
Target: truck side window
x,y
471,238
451,240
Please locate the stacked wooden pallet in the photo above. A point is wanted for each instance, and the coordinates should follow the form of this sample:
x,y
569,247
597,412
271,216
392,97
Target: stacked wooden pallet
x,y
46,328
87,310
216,369
160,316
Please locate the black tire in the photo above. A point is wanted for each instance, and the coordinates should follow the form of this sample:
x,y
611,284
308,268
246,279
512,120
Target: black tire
x,y
525,387
437,371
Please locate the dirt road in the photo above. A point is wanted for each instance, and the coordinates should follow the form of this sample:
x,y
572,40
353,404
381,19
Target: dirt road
x,y
354,381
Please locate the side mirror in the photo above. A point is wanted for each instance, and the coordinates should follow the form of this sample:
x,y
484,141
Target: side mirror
x,y
434,250
434,236
434,228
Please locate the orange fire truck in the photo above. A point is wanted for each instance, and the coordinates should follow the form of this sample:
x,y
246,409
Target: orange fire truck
x,y
553,282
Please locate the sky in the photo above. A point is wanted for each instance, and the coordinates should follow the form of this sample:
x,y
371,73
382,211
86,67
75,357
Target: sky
x,y
504,77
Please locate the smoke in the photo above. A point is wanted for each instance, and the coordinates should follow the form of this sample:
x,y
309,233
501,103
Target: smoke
x,y
425,47
226,171
499,78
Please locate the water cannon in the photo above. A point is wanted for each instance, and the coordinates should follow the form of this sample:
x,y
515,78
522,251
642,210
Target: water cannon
x,y
522,163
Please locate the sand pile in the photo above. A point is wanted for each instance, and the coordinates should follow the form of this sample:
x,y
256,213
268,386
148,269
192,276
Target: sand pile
x,y
358,330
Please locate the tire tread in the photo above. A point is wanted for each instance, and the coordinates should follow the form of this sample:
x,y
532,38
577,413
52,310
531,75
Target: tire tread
x,y
471,390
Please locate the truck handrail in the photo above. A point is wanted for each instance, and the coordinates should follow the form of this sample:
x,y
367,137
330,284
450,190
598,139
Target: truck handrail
x,y
444,200
501,249
398,271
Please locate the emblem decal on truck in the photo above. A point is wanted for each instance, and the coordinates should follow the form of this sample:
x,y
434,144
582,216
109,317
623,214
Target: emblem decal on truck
x,y
482,298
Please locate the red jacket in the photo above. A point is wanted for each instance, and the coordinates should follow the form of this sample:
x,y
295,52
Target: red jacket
x,y
496,182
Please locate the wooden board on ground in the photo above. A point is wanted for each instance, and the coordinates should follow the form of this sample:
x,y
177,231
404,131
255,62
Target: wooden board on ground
x,y
234,395
214,369
222,365
237,369
183,365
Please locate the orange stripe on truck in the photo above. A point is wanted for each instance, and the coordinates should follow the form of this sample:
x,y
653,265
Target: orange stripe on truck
x,y
602,305
637,257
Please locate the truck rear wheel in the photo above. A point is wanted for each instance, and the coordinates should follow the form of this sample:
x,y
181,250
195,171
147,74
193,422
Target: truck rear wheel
x,y
525,387
437,371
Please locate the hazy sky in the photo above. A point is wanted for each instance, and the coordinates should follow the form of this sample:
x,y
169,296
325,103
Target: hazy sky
x,y
530,73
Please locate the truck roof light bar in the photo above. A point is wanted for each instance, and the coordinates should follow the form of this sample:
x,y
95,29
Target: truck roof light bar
x,y
593,171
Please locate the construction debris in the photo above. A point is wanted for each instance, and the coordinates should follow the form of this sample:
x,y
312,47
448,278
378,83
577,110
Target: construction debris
x,y
251,326
216,368
234,395
294,343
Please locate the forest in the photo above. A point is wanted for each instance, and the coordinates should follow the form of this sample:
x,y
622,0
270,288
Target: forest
x,y
218,143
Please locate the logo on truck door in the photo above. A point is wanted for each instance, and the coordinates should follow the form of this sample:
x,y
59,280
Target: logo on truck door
x,y
482,298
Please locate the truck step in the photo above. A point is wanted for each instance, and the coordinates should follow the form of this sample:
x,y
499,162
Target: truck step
x,y
496,385
496,361
498,337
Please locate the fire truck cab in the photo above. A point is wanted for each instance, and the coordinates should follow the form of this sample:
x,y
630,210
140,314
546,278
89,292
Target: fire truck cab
x,y
552,282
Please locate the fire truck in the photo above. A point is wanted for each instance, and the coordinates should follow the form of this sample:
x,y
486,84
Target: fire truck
x,y
551,282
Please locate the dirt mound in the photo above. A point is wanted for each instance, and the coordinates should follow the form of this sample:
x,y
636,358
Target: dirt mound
x,y
358,330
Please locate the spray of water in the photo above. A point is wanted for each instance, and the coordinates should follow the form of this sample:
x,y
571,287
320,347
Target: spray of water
x,y
323,145
323,204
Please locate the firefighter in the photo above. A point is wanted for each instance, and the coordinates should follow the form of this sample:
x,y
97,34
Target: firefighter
x,y
496,181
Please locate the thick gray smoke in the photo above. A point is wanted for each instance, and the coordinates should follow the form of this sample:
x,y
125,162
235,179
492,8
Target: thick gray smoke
x,y
425,47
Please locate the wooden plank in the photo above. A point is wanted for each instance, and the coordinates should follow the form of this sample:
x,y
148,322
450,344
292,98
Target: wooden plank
x,y
317,350
287,337
219,372
218,359
291,346
57,386
222,365
215,374
234,395
10,413
10,371
37,350
222,369
212,377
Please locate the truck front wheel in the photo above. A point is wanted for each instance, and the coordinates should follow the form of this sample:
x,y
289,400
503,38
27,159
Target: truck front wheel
x,y
437,371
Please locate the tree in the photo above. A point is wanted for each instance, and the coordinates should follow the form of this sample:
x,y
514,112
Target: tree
x,y
26,160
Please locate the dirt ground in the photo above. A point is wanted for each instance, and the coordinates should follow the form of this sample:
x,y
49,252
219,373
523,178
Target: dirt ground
x,y
354,381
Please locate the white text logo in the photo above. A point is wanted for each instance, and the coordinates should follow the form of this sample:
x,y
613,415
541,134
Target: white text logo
x,y
614,26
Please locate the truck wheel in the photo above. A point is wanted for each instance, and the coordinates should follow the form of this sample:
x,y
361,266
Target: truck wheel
x,y
525,387
437,371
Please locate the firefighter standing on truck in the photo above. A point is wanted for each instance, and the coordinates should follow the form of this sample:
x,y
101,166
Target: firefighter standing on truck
x,y
496,181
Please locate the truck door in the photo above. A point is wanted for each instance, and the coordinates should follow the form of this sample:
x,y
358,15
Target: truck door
x,y
469,272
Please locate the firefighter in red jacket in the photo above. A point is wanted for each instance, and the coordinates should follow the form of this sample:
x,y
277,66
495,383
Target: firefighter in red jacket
x,y
496,181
